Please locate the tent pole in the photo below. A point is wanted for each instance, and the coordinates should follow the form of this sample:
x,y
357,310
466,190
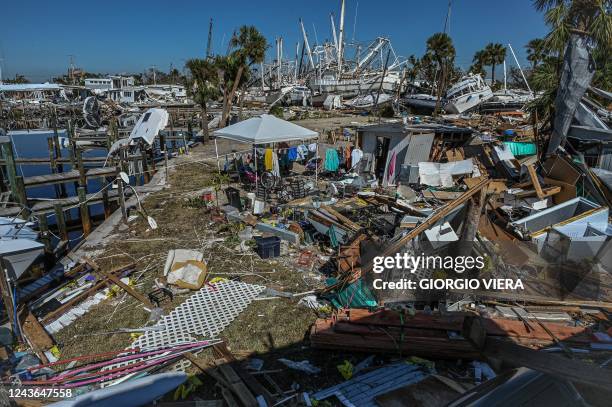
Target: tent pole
x,y
317,165
217,154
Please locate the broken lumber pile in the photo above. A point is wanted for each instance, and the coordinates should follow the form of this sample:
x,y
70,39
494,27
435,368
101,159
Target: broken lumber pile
x,y
428,335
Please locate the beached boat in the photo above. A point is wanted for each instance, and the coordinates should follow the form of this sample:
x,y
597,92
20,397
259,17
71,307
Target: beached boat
x,y
466,94
369,101
507,99
421,103
367,82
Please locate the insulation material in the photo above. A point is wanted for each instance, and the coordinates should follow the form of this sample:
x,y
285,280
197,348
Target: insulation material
x,y
504,153
436,174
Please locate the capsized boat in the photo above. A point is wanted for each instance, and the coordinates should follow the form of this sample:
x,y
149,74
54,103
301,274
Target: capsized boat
x,y
469,92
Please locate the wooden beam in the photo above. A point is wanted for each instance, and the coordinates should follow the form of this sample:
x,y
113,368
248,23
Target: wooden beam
x,y
115,279
555,365
341,218
535,181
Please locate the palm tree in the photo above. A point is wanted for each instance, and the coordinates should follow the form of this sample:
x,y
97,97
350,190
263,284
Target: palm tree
x,y
495,55
203,86
442,50
478,62
249,47
535,51
590,18
415,65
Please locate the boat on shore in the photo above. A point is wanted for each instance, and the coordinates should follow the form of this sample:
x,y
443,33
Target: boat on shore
x,y
469,92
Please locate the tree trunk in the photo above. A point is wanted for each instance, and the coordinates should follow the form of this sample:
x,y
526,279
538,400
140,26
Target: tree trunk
x,y
492,74
240,104
440,88
230,98
205,134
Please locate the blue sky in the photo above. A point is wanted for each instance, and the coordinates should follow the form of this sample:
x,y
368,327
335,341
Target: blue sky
x,y
37,37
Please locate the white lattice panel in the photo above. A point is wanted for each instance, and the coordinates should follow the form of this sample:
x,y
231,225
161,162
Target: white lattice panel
x,y
202,316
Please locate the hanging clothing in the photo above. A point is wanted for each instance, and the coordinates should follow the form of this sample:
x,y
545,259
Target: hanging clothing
x,y
268,159
347,157
292,154
368,159
331,160
391,169
356,156
275,165
312,147
341,157
302,151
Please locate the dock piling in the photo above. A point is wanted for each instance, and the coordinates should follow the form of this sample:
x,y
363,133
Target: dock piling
x,y
85,220
61,222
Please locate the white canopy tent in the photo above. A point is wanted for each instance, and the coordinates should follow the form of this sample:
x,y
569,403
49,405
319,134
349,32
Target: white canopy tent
x,y
264,129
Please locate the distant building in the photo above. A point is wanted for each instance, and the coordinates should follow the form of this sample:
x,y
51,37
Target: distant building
x,y
32,91
161,90
124,95
120,82
98,84
117,87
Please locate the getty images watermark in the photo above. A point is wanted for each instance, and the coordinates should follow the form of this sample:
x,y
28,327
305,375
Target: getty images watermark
x,y
457,264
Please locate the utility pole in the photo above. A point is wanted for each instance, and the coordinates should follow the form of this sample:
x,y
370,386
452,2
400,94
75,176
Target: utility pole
x,y
209,44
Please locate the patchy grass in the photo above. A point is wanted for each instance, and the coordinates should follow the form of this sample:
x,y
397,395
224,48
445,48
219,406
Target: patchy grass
x,y
268,328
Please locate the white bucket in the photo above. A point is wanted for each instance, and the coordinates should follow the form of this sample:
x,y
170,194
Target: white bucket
x,y
258,207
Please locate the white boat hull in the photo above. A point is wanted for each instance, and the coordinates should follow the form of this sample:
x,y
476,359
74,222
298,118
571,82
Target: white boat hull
x,y
468,101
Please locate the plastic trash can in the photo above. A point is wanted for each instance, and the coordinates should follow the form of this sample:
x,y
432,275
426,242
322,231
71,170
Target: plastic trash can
x,y
233,197
268,247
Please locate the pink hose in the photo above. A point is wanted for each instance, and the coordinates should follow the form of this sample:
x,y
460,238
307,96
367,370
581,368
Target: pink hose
x,y
126,358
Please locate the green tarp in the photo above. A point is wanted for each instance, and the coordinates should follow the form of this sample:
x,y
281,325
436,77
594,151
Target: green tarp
x,y
354,295
521,148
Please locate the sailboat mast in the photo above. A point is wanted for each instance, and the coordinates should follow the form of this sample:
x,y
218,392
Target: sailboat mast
x,y
341,40
308,51
519,67
333,27
448,18
209,44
